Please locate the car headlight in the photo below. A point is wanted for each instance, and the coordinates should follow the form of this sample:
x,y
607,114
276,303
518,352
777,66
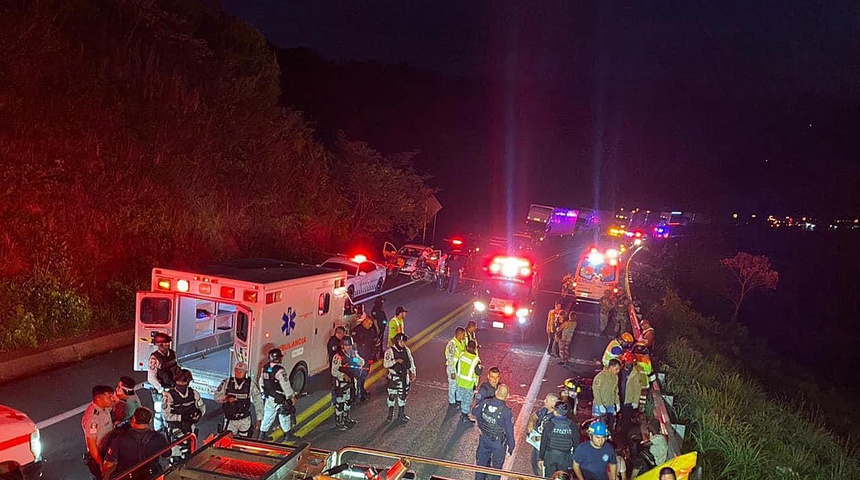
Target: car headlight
x,y
523,313
480,306
509,310
36,444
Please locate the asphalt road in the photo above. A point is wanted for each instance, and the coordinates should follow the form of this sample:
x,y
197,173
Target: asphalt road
x,y
434,429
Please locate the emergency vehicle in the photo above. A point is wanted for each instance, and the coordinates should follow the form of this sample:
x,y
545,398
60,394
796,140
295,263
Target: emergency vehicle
x,y
505,298
598,270
20,445
223,314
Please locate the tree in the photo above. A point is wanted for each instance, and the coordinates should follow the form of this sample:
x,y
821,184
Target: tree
x,y
753,273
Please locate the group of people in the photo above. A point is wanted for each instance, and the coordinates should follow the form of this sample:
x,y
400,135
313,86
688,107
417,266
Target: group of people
x,y
560,327
449,270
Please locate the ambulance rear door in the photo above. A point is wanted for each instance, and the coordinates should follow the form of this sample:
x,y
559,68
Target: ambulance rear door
x,y
154,312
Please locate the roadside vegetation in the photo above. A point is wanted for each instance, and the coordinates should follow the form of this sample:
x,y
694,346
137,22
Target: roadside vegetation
x,y
143,133
723,380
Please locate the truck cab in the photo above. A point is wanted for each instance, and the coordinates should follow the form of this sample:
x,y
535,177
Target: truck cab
x,y
20,445
223,314
504,299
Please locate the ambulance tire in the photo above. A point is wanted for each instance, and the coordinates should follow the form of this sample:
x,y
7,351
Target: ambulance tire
x,y
299,378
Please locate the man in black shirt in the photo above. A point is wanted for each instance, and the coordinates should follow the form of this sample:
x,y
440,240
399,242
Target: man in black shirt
x,y
333,345
133,446
367,343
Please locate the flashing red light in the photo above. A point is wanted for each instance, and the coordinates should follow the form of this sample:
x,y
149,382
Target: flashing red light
x,y
456,241
359,258
228,292
511,267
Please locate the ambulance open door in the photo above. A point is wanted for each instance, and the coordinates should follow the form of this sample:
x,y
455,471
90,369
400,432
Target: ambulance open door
x,y
240,340
154,313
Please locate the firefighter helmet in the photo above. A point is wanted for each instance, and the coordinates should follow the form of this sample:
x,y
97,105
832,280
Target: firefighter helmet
x,y
597,428
627,337
276,355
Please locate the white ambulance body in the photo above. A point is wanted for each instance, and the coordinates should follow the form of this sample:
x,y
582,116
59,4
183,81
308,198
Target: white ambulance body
x,y
20,445
222,314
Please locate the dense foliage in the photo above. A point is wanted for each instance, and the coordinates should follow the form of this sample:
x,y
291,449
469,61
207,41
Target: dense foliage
x,y
148,132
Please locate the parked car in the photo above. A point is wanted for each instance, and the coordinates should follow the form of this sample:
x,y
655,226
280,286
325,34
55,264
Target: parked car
x,y
406,258
20,446
362,275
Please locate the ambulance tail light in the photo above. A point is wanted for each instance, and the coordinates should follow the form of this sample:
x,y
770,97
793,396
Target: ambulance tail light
x,y
36,444
250,296
457,242
615,290
182,285
509,310
228,292
523,313
204,288
164,284
574,284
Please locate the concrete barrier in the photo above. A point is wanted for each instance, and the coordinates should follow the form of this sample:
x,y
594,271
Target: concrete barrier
x,y
23,363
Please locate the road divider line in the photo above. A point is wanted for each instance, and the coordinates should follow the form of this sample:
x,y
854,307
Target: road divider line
x,y
526,411
447,320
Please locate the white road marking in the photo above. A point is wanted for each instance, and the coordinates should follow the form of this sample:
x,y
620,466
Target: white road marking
x,y
436,385
526,411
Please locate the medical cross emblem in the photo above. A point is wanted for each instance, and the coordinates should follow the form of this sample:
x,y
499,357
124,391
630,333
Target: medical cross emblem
x,y
289,319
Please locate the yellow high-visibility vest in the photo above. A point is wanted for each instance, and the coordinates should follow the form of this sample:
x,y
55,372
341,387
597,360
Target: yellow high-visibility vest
x,y
466,376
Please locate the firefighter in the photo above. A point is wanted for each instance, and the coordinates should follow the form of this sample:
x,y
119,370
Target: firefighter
x,y
401,373
238,395
468,373
163,367
617,347
183,407
622,307
557,441
453,350
279,398
607,303
607,402
496,422
345,367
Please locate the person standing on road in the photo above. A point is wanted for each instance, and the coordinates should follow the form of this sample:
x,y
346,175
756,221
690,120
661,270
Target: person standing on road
x,y
279,398
162,368
488,388
453,350
183,407
381,319
496,423
472,334
440,271
550,328
606,403
637,381
565,336
401,373
135,445
557,441
344,367
366,340
97,424
396,325
238,395
535,426
455,265
593,458
607,303
333,344
468,374
127,400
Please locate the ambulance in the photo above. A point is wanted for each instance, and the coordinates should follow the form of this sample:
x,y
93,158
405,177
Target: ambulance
x,y
504,299
20,445
598,270
223,314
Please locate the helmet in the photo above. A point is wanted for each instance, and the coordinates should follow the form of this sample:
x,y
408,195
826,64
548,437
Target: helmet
x,y
161,338
241,366
627,337
561,475
184,376
276,355
399,337
346,342
597,428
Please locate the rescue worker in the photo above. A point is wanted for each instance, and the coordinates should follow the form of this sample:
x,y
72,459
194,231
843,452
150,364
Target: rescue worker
x,y
607,303
488,388
396,325
455,347
496,422
127,400
163,367
606,403
238,394
591,459
401,373
617,347
135,445
279,401
345,367
468,374
381,319
333,344
183,407
622,312
564,335
366,340
557,441
550,328
97,424
472,334
647,338
535,426
637,382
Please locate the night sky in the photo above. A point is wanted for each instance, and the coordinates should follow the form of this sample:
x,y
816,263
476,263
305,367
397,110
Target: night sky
x,y
750,106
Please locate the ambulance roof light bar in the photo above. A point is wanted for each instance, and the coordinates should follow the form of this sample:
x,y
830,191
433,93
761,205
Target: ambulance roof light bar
x,y
511,267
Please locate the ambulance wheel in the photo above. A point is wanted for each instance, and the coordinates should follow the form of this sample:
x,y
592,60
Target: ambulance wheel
x,y
379,284
299,378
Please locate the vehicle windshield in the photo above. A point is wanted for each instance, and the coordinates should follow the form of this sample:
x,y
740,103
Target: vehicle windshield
x,y
602,272
507,289
349,269
410,252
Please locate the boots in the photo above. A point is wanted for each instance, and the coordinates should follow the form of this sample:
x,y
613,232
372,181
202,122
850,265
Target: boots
x,y
464,417
390,414
340,424
349,422
401,414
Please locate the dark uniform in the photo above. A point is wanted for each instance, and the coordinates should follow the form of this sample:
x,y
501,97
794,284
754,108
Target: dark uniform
x,y
237,414
486,391
381,319
133,446
401,372
367,343
182,410
557,443
279,394
163,368
496,422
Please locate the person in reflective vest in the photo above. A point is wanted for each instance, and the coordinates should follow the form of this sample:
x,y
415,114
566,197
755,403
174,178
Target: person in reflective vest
x,y
453,350
472,334
647,337
557,441
183,407
401,373
237,395
280,399
617,347
496,422
396,325
468,373
345,369
163,367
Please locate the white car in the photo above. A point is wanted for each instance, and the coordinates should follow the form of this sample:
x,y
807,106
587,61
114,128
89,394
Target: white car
x,y
362,275
20,446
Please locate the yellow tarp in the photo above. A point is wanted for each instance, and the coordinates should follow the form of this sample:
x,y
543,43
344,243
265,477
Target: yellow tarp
x,y
682,465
